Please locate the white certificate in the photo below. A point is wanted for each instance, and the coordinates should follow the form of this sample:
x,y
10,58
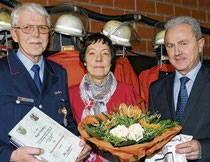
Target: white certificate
x,y
38,130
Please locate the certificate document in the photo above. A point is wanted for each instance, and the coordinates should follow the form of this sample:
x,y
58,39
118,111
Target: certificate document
x,y
38,130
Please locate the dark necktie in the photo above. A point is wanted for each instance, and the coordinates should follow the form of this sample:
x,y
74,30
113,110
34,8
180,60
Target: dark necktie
x,y
182,98
37,79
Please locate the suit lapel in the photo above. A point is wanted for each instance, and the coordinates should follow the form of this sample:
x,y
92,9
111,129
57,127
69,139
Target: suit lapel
x,y
49,80
22,76
170,96
19,73
200,83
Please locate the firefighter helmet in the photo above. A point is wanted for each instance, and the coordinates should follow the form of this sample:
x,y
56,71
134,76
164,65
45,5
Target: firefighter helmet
x,y
159,39
118,32
4,21
69,24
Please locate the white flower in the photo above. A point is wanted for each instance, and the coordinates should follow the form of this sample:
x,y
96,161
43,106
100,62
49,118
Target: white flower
x,y
135,132
120,131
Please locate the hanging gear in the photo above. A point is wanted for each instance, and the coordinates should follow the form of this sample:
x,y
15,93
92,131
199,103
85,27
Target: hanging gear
x,y
159,47
4,30
118,32
159,39
4,21
69,24
159,71
122,35
69,29
150,75
69,60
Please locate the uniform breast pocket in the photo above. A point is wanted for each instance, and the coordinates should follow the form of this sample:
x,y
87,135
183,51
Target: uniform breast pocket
x,y
14,108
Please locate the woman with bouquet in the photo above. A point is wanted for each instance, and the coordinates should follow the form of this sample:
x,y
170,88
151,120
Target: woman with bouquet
x,y
98,91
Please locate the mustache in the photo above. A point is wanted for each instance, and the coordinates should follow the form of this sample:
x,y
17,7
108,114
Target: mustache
x,y
35,41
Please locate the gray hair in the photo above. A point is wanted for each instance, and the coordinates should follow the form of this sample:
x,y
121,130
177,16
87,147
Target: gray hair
x,y
196,29
32,7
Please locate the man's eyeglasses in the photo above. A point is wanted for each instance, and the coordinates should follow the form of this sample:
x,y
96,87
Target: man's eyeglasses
x,y
28,29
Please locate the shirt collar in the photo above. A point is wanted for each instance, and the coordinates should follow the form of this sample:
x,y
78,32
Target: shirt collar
x,y
27,62
192,74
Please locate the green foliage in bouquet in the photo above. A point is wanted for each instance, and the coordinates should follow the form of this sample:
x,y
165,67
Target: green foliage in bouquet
x,y
129,126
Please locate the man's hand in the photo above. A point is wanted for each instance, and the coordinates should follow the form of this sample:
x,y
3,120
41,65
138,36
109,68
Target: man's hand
x,y
26,154
191,149
85,151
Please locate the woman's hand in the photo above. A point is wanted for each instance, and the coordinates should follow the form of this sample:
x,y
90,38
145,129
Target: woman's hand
x,y
85,151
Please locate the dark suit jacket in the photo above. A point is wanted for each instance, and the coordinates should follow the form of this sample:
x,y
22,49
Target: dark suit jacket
x,y
196,118
16,83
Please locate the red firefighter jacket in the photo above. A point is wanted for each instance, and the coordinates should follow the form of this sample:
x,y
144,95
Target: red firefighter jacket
x,y
148,76
124,72
70,61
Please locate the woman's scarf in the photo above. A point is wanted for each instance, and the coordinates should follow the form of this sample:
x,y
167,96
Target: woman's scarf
x,y
95,97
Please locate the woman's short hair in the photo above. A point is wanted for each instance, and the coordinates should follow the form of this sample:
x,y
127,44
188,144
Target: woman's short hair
x,y
94,38
185,20
32,7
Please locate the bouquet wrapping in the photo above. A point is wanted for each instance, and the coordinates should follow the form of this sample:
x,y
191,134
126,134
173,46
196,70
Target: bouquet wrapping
x,y
128,134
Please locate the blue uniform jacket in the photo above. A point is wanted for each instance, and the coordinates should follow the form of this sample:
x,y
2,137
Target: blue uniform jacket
x,y
18,94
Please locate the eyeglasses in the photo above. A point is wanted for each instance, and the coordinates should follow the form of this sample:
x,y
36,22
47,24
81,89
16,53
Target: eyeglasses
x,y
28,29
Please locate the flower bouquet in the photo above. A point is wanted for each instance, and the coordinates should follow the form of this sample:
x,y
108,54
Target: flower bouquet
x,y
128,133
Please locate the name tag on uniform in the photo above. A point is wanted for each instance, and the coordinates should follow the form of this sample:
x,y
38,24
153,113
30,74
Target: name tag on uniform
x,y
24,99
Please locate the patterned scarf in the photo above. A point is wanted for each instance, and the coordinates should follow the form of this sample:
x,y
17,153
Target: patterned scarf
x,y
95,97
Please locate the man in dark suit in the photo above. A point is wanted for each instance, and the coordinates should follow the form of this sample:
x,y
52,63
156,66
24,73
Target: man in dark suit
x,y
22,87
184,44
